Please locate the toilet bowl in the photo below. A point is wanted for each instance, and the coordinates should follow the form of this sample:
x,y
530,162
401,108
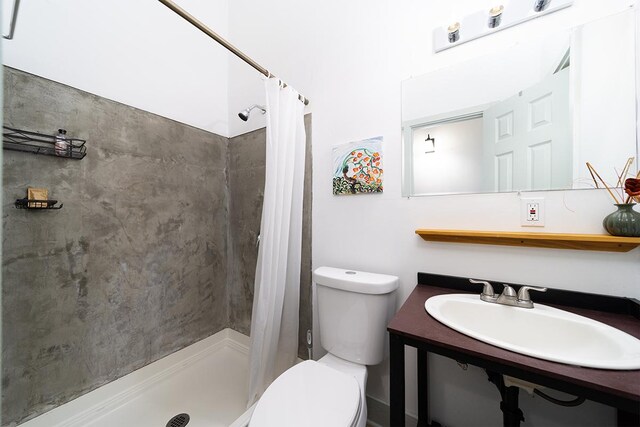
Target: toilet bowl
x,y
311,394
353,310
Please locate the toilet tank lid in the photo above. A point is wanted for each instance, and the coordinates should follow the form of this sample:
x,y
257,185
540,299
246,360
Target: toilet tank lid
x,y
355,281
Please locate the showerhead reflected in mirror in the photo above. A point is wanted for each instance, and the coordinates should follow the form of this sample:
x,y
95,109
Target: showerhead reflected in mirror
x,y
527,118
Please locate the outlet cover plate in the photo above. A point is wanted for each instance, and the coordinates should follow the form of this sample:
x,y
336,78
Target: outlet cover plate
x,y
532,212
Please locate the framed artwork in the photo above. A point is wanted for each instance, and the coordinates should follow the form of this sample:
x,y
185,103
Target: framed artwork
x,y
357,167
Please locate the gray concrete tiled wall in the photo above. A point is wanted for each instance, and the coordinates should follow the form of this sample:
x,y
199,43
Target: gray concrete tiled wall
x,y
134,267
153,250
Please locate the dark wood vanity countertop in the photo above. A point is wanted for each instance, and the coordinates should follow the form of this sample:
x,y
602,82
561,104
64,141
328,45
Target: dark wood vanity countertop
x,y
412,321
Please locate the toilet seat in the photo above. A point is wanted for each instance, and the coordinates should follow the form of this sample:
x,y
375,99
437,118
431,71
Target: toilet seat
x,y
309,394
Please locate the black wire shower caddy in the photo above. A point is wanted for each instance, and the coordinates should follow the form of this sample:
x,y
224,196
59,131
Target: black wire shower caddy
x,y
39,143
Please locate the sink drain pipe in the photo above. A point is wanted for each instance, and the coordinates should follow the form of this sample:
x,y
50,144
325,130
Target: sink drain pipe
x,y
511,414
574,402
532,389
509,389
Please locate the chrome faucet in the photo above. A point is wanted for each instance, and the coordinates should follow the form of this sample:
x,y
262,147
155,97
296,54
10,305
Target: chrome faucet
x,y
508,295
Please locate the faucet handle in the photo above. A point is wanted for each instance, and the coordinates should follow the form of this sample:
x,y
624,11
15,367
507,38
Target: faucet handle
x,y
523,292
508,291
487,290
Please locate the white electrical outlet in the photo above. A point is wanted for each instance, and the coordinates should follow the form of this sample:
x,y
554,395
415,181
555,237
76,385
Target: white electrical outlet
x,y
532,212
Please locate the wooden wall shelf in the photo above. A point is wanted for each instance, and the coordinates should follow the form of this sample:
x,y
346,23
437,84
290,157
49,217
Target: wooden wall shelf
x,y
585,242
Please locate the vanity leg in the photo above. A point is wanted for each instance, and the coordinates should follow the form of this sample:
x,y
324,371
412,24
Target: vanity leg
x,y
628,419
423,397
396,362
423,391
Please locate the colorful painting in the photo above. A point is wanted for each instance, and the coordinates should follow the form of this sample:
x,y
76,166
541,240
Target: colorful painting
x,y
357,167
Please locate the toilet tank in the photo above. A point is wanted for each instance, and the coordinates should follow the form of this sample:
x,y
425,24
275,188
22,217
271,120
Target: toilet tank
x,y
354,308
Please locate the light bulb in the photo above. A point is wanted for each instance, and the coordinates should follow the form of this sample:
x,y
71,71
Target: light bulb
x,y
454,32
495,16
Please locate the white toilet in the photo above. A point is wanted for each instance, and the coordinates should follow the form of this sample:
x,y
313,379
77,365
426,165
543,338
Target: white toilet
x,y
353,309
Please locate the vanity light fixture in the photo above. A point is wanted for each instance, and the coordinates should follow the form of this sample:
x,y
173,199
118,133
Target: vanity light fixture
x,y
495,16
431,144
541,5
454,32
480,23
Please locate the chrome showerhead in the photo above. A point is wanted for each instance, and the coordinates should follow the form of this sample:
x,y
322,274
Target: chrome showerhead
x,y
244,114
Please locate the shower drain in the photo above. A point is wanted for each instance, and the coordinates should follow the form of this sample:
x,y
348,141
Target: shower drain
x,y
179,420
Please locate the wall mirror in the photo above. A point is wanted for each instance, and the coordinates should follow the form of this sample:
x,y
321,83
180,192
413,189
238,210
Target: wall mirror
x,y
526,118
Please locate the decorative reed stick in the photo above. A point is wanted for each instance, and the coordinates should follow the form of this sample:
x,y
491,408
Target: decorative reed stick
x,y
625,170
624,185
594,172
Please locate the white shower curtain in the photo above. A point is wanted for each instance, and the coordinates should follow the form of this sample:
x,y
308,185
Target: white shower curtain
x,y
274,320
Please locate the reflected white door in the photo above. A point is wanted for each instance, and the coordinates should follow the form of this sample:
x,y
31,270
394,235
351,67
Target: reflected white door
x,y
527,138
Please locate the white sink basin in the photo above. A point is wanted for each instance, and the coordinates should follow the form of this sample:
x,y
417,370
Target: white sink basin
x,y
543,332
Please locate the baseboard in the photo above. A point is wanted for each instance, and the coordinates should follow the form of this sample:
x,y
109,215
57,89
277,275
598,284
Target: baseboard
x,y
378,414
80,411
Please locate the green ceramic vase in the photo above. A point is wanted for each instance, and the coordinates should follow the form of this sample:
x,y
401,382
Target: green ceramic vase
x,y
623,222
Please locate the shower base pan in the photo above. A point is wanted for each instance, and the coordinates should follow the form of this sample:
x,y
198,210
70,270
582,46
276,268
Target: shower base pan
x,y
207,381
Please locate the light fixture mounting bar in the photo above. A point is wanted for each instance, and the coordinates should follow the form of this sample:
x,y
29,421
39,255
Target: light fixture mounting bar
x,y
477,25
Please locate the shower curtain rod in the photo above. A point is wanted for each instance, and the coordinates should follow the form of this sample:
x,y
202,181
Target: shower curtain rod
x,y
199,25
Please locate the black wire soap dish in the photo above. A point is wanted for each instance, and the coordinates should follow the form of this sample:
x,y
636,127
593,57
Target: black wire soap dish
x,y
37,204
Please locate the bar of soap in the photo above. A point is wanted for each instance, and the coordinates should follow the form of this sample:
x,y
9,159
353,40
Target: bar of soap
x,y
37,194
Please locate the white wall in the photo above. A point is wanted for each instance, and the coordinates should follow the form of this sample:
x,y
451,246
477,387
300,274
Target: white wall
x,y
349,58
136,52
456,164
